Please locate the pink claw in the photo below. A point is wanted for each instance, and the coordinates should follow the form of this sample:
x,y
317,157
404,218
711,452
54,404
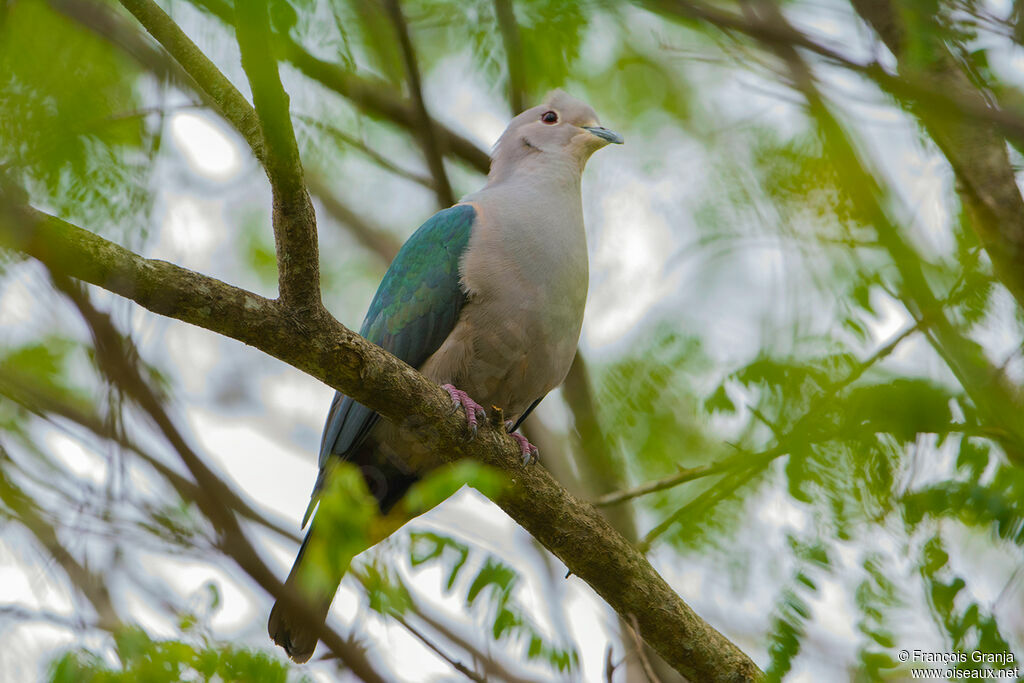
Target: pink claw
x,y
530,452
472,408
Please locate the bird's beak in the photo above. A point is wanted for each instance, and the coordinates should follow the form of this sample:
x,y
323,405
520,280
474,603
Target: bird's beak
x,y
605,134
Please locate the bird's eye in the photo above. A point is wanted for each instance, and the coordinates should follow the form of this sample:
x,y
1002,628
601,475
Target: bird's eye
x,y
549,117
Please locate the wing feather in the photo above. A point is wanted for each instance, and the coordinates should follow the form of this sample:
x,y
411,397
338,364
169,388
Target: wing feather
x,y
414,310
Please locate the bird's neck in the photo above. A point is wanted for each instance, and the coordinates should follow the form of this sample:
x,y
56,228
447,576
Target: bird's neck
x,y
538,171
534,212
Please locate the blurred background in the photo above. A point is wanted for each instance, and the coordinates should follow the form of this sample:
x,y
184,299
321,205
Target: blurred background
x,y
798,386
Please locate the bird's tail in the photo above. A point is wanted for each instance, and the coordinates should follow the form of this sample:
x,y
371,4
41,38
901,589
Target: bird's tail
x,y
295,630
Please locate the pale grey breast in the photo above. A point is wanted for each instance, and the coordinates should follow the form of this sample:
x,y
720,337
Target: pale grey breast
x,y
526,274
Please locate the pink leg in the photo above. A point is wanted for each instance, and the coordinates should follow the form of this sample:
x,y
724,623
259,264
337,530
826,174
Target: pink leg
x,y
472,408
530,452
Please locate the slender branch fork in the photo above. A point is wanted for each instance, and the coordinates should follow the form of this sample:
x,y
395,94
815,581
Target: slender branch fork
x,y
296,330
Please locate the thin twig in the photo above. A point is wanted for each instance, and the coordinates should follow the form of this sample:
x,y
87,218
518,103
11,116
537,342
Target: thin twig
x,y
375,156
454,663
609,664
709,498
222,93
372,96
639,647
681,477
490,665
428,137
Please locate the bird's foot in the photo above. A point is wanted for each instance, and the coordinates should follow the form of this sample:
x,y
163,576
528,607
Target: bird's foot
x,y
530,452
474,410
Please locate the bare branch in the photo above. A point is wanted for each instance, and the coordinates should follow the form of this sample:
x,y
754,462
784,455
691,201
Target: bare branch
x,y
425,125
454,663
295,239
365,149
223,94
681,477
489,663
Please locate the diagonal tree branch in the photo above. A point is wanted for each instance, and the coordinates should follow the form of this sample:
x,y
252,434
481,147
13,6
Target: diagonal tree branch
x,y
87,582
370,96
378,240
513,44
425,125
987,184
224,95
115,362
298,258
995,398
320,346
368,151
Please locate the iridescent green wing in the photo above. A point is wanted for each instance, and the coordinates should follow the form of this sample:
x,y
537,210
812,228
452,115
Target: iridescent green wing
x,y
413,312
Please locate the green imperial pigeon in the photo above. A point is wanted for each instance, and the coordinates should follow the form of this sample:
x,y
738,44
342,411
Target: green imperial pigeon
x,y
486,298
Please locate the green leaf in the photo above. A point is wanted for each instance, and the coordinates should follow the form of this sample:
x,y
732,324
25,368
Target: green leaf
x,y
719,401
427,546
494,575
904,408
386,592
439,484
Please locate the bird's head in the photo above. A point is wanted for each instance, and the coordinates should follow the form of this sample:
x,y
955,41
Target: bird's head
x,y
562,127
